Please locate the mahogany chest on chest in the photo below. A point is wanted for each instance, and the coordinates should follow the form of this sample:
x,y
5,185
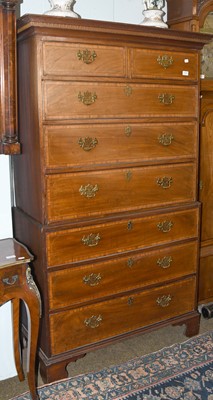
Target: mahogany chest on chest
x,y
106,185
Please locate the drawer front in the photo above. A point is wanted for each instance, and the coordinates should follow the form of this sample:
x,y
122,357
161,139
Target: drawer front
x,y
67,246
11,278
106,319
167,65
81,284
73,100
77,59
78,195
86,145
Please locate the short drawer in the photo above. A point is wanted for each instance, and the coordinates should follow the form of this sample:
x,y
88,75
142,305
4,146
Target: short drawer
x,y
106,319
78,146
73,100
147,63
77,285
11,278
83,59
95,193
70,245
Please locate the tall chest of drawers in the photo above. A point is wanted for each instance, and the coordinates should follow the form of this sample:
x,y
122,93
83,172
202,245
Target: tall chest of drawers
x,y
106,185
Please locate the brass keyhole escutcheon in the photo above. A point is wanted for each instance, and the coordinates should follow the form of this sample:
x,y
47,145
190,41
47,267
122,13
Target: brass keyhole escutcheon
x,y
128,131
130,301
130,262
130,225
128,175
128,91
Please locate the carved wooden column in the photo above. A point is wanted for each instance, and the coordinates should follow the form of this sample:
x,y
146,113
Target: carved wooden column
x,y
8,80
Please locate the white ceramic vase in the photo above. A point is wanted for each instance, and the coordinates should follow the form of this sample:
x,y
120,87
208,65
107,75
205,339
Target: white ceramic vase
x,y
153,13
62,8
154,18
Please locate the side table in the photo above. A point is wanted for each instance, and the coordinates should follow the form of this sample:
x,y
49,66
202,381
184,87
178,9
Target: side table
x,y
16,283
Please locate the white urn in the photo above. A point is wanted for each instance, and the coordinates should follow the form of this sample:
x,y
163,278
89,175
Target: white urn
x,y
62,8
153,13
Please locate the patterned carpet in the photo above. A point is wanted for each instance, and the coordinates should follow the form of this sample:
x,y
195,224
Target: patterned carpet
x,y
181,372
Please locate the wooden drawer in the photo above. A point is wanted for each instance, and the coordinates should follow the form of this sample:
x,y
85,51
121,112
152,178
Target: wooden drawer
x,y
73,100
78,146
148,63
70,245
94,193
78,59
80,284
106,319
11,278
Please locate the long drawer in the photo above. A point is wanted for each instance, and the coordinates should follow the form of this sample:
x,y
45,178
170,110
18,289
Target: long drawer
x,y
89,145
75,285
77,195
93,323
70,245
73,100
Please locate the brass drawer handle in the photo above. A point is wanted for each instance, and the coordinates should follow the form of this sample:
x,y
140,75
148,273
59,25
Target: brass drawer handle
x,y
87,98
92,279
94,321
164,262
128,91
91,240
166,98
165,182
165,61
165,226
166,139
10,281
164,301
87,143
88,191
87,56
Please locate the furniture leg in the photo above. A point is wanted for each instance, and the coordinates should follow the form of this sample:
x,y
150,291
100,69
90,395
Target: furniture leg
x,y
16,338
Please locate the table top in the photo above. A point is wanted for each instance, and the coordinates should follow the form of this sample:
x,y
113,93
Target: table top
x,y
12,253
